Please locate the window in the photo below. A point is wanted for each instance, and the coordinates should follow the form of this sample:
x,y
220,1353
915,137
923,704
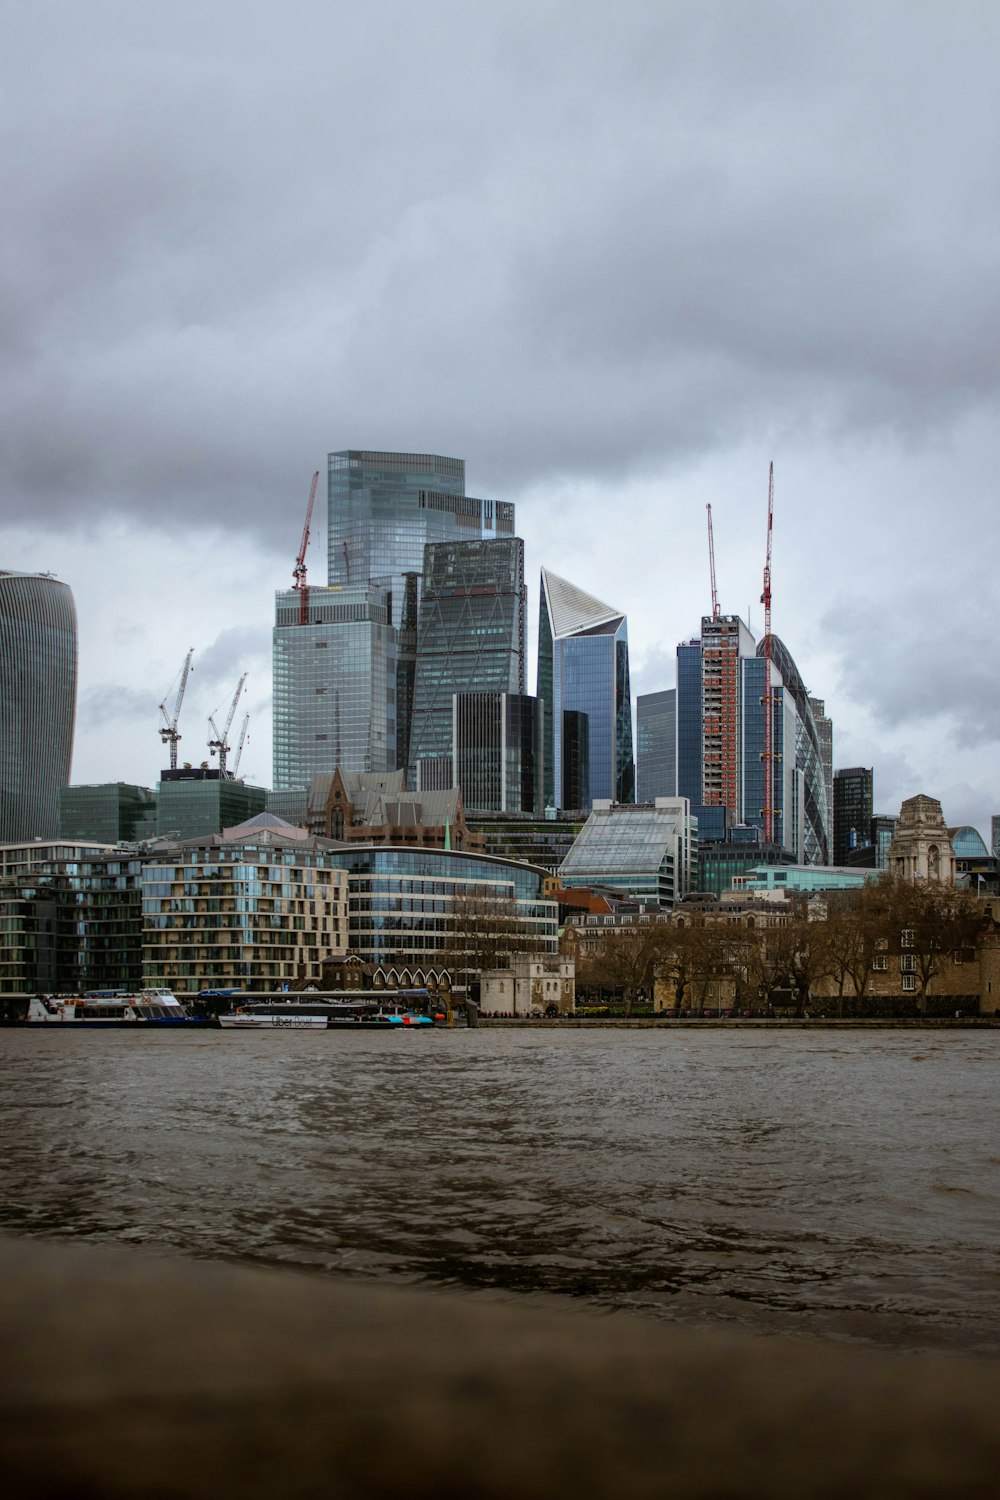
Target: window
x,y
909,981
908,962
906,938
880,961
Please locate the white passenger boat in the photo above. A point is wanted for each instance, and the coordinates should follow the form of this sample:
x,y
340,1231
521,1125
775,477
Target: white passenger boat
x,y
271,1019
108,1008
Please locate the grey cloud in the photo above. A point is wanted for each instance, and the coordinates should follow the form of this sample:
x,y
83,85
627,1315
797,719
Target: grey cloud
x,y
554,239
109,703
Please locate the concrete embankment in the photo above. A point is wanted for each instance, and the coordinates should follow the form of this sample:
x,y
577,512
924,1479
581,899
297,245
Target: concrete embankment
x,y
762,1023
128,1375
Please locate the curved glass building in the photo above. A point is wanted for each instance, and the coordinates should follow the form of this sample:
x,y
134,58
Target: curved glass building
x,y
37,702
800,791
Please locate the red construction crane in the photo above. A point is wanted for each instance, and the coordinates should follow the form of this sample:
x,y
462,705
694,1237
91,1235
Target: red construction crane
x,y
711,564
299,571
765,599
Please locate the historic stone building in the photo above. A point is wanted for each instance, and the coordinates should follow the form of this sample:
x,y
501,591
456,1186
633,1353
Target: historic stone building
x,y
534,984
376,808
921,848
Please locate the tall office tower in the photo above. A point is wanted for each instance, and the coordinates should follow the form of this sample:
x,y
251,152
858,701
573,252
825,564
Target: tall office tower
x,y
824,728
688,710
725,641
708,712
583,666
575,759
334,684
37,702
383,509
470,636
656,745
721,699
852,810
498,752
800,820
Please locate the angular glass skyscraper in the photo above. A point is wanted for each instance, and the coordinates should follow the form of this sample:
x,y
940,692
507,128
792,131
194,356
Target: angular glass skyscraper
x,y
470,637
583,666
383,509
334,684
38,655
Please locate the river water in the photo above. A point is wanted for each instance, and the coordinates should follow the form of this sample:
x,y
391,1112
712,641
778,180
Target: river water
x,y
840,1184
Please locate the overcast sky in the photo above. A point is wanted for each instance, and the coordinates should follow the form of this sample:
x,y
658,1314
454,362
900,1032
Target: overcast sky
x,y
616,257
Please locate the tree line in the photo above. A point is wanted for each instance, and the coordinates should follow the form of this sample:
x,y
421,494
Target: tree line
x,y
760,957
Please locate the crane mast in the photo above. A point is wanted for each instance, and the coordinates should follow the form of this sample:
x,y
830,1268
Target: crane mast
x,y
221,741
711,564
239,746
765,599
168,729
299,571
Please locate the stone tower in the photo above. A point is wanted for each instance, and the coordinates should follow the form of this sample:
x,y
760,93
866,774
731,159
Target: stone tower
x,y
921,848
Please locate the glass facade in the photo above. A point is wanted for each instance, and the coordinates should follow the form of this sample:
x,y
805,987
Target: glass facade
x,y
689,741
73,923
38,660
648,853
402,902
656,745
583,667
812,811
334,684
498,754
852,810
382,510
471,636
575,760
824,731
191,803
111,813
721,699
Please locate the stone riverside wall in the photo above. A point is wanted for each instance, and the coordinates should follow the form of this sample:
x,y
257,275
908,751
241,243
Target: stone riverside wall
x,y
128,1375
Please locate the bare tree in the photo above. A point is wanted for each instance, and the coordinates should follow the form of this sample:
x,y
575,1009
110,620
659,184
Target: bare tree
x,y
484,933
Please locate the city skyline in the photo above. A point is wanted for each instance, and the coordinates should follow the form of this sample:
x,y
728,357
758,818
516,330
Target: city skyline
x,y
755,239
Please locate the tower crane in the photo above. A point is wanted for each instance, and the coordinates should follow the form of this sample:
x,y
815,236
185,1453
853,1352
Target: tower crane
x,y
299,571
168,729
221,741
767,810
239,746
711,564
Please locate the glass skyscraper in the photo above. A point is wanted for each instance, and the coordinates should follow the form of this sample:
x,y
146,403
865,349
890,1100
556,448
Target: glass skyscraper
x,y
334,684
497,752
852,810
38,656
721,696
656,745
383,509
470,637
583,666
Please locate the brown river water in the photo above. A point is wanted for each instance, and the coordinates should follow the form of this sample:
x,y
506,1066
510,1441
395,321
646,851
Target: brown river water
x,y
839,1184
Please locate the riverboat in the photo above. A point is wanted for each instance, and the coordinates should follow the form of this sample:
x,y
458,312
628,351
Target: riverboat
x,y
317,1015
102,1009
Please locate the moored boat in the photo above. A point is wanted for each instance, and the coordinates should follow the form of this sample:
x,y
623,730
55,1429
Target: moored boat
x,y
100,1010
317,1015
